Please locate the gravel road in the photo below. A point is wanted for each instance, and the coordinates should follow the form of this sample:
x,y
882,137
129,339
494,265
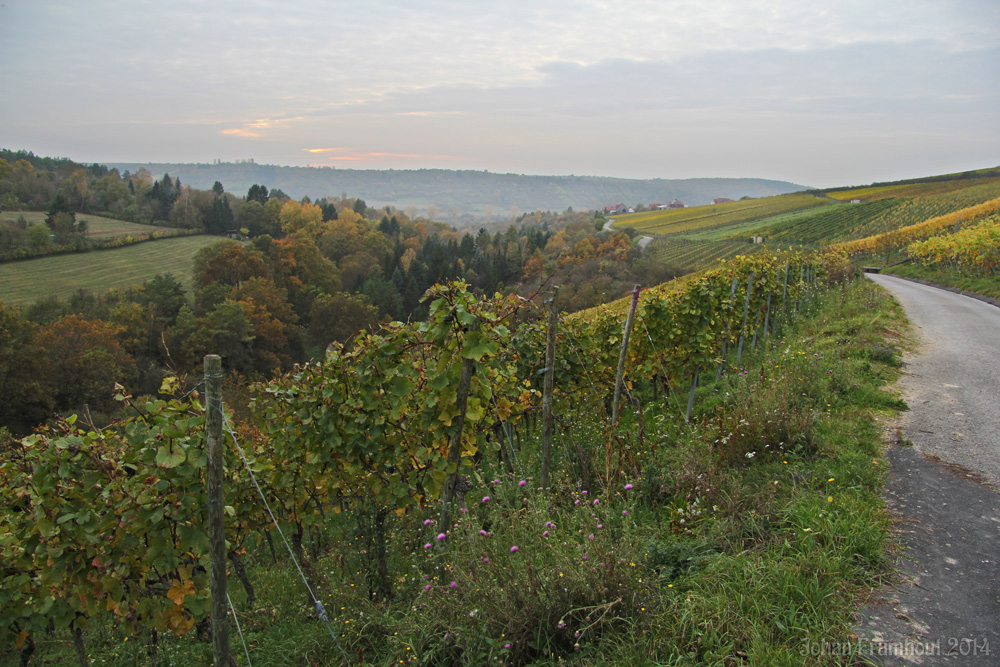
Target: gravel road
x,y
941,491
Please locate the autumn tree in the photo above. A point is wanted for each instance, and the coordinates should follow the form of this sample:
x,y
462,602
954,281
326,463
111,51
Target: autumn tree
x,y
24,374
86,361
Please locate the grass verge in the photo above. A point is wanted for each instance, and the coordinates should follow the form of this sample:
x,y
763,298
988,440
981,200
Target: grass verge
x,y
743,538
942,275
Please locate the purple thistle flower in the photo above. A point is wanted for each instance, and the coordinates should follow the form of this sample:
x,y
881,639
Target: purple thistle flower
x,y
513,549
545,533
628,487
483,533
486,499
427,546
454,584
441,536
522,482
428,522
427,587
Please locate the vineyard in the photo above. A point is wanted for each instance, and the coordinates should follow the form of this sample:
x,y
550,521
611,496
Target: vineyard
x,y
827,224
374,455
921,189
973,249
678,221
887,244
691,255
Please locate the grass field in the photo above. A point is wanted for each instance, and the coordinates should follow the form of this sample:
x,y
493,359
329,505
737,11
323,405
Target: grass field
x,y
23,282
98,227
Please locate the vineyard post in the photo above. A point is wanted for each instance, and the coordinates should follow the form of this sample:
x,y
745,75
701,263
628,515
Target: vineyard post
x,y
694,385
784,294
767,318
455,447
743,327
729,324
216,509
548,387
620,374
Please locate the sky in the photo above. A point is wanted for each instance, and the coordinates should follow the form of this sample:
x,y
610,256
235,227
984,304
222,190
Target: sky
x,y
818,92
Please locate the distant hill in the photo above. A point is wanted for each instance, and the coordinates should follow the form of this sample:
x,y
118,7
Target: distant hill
x,y
466,191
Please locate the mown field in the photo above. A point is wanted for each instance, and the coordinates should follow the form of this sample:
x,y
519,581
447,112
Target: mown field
x,y
99,271
98,227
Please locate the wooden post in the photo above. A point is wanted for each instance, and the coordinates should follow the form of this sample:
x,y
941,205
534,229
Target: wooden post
x,y
694,385
729,324
620,374
743,327
216,510
455,447
548,387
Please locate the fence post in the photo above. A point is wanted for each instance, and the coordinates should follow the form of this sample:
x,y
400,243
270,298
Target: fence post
x,y
216,510
694,385
548,387
729,324
743,327
620,374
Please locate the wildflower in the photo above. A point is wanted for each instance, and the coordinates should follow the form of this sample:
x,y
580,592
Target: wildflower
x,y
486,560
831,479
561,625
483,533
624,512
486,499
576,502
597,502
522,482
545,533
599,526
506,645
427,587
427,546
428,522
829,499
441,536
454,584
514,549
628,487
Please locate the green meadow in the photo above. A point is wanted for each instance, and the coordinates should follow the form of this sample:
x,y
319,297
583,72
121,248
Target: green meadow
x,y
99,271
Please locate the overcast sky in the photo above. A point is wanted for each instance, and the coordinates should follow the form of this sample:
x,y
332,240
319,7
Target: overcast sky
x,y
819,92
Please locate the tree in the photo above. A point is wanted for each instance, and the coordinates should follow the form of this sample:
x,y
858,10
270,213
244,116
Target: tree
x,y
218,189
86,362
257,193
360,207
228,263
24,374
296,217
338,317
220,219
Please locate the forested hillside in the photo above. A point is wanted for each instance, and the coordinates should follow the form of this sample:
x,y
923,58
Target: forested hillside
x,y
454,193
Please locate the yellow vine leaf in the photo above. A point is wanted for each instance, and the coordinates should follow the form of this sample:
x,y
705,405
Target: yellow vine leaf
x,y
178,592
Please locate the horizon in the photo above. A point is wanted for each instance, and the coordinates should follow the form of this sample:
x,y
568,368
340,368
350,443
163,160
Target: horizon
x,y
840,95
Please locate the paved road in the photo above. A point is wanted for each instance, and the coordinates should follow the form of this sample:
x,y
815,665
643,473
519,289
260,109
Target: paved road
x,y
946,608
953,383
643,240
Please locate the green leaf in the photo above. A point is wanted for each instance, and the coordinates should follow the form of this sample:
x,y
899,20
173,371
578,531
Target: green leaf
x,y
168,457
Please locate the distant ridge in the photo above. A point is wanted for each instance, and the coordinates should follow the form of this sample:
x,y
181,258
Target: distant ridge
x,y
467,191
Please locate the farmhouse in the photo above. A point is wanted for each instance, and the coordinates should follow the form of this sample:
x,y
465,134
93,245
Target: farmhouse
x,y
677,203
